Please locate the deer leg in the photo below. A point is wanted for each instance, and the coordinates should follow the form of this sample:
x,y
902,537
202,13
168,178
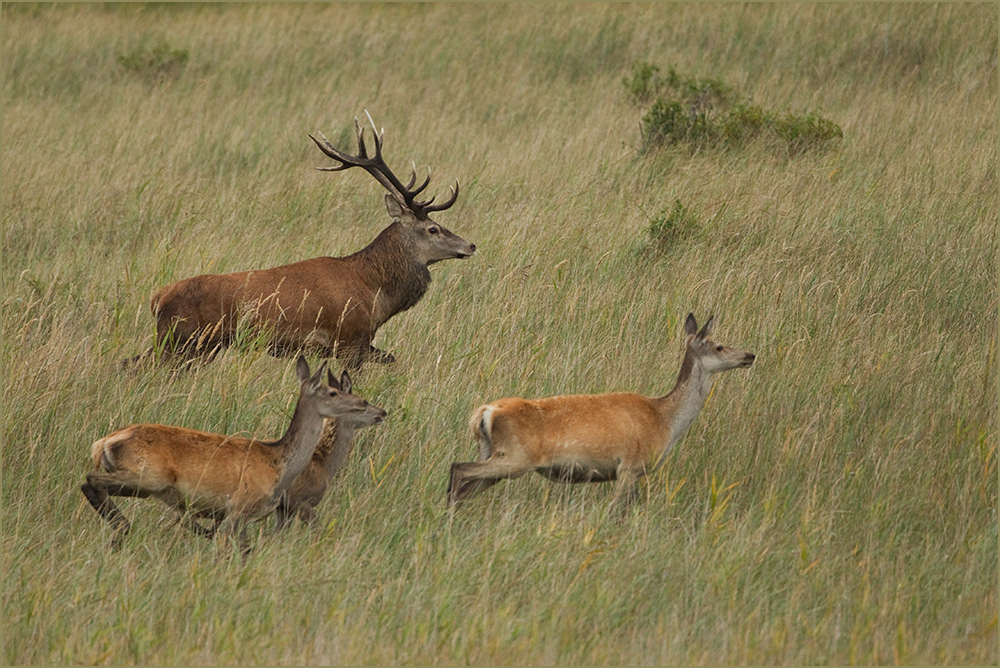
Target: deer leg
x,y
98,496
192,525
306,513
626,487
232,527
285,516
470,478
380,356
100,486
282,518
131,365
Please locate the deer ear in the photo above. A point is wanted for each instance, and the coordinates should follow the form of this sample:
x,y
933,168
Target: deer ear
x,y
690,325
331,380
394,208
302,368
345,382
706,331
317,378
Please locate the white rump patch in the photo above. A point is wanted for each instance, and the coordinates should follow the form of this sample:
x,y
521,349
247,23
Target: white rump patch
x,y
486,433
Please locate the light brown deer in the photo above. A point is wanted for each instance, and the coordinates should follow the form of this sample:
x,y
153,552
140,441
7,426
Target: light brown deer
x,y
229,479
330,456
331,304
593,437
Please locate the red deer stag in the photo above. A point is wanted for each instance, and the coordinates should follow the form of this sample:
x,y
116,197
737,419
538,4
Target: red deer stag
x,y
230,479
333,304
593,437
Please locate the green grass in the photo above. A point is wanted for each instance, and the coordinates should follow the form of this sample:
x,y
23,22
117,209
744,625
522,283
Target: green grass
x,y
835,504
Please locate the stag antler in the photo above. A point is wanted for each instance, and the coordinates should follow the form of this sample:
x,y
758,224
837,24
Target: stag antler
x,y
375,165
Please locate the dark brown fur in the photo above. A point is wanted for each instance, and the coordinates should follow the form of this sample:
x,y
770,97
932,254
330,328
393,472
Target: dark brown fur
x,y
333,305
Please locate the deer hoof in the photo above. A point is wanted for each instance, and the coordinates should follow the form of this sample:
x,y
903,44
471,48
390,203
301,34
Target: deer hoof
x,y
381,357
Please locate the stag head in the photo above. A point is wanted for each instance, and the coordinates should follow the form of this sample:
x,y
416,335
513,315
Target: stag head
x,y
431,241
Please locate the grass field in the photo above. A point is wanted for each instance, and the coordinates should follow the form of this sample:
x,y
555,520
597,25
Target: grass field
x,y
835,504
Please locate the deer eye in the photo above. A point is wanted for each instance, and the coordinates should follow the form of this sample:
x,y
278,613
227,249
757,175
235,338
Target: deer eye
x,y
333,393
432,230
719,348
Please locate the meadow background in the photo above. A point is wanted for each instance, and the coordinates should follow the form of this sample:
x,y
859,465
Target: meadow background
x,y
835,504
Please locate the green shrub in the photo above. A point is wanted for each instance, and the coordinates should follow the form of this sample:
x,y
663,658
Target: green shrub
x,y
670,226
154,63
645,84
699,112
670,122
742,124
640,84
802,132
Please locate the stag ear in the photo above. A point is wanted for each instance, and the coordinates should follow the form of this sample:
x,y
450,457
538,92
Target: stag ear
x,y
394,207
706,331
302,368
690,325
345,382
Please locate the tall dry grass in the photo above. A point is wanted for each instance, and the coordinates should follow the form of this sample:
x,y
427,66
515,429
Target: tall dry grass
x,y
835,504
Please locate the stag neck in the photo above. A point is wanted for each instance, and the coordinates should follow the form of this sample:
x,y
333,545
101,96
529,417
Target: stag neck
x,y
296,447
401,279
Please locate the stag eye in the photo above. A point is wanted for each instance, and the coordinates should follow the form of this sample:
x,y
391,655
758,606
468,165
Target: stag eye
x,y
433,230
719,348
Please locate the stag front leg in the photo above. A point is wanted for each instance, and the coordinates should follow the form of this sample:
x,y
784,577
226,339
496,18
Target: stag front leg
x,y
380,356
284,516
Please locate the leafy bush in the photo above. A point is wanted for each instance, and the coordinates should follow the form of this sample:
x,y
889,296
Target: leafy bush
x,y
670,122
806,131
700,113
645,84
669,227
156,63
640,84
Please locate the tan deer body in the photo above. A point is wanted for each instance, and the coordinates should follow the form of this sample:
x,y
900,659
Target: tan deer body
x,y
335,444
230,479
593,438
330,304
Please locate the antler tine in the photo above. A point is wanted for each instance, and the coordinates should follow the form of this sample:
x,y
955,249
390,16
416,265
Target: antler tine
x,y
375,165
413,179
362,150
379,134
442,207
332,152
